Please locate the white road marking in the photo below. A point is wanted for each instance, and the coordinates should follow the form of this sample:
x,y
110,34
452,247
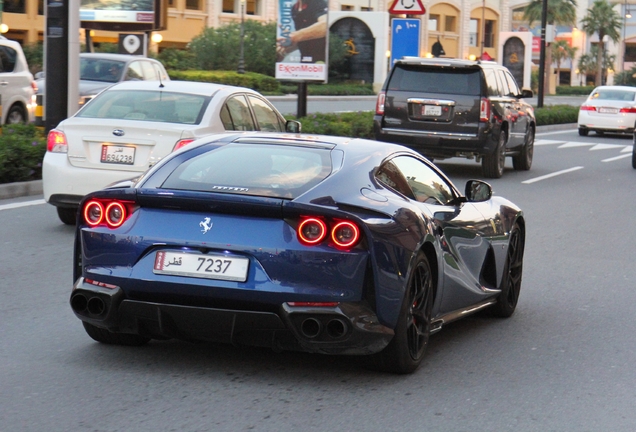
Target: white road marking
x,y
556,132
554,174
627,149
616,158
21,204
572,144
547,142
606,147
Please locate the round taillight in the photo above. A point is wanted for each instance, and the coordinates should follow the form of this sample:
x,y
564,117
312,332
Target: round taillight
x,y
93,213
312,231
345,234
115,214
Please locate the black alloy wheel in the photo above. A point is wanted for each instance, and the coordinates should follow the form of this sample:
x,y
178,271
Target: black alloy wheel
x,y
511,281
634,155
407,348
493,164
523,161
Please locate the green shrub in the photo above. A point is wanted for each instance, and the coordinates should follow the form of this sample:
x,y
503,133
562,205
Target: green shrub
x,y
574,91
556,114
258,82
341,89
22,149
351,124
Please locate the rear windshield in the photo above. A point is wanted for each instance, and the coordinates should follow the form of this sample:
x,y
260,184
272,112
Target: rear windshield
x,y
145,105
278,171
436,80
101,70
616,95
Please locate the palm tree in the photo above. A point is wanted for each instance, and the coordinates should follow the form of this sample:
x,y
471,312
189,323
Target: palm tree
x,y
560,12
603,20
588,62
561,50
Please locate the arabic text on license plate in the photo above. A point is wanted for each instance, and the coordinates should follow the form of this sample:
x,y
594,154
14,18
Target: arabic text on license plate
x,y
608,110
209,266
124,155
432,110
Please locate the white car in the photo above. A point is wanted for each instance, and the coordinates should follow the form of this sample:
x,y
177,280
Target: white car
x,y
132,125
610,109
17,87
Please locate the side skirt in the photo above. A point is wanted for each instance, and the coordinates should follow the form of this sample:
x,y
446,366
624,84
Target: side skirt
x,y
437,324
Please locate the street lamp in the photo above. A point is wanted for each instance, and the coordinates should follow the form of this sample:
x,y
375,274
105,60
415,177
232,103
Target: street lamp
x,y
241,65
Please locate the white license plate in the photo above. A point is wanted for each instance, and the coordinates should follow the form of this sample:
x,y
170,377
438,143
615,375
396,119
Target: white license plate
x,y
432,110
608,110
222,267
123,155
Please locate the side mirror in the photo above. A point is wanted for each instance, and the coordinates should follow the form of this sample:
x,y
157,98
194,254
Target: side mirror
x,y
477,191
293,126
526,93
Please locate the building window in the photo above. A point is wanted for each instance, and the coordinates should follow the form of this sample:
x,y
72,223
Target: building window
x,y
433,23
193,4
171,3
473,32
228,6
40,7
14,6
366,9
630,52
489,35
346,7
449,24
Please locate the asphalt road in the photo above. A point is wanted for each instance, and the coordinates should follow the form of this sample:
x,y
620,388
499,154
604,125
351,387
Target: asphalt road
x,y
563,362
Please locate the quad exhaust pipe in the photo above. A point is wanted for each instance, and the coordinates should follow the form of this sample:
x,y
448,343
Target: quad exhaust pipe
x,y
93,306
312,328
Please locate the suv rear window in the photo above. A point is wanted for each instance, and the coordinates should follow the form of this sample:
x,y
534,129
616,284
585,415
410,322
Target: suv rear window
x,y
278,171
436,80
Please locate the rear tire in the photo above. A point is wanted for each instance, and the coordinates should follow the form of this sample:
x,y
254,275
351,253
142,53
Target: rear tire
x,y
68,215
104,336
16,115
493,164
523,161
511,280
634,156
407,348
583,131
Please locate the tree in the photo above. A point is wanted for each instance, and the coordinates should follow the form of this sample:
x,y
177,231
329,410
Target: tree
x,y
603,20
588,62
560,12
561,51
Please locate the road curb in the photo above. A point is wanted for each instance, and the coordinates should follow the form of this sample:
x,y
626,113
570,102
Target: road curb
x,y
20,189
556,127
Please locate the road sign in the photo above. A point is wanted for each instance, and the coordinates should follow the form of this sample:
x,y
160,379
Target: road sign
x,y
132,43
410,7
405,38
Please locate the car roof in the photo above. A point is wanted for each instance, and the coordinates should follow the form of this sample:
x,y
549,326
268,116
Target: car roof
x,y
615,87
115,57
446,62
192,87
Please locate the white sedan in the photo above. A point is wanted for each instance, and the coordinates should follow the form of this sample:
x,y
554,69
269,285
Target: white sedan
x,y
132,125
610,109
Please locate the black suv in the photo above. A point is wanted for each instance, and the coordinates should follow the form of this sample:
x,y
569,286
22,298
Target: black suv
x,y
457,108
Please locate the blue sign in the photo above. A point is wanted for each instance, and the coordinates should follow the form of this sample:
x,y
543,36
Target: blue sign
x,y
405,38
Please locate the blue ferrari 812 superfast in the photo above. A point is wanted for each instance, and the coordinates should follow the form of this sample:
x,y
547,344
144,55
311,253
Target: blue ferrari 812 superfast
x,y
295,242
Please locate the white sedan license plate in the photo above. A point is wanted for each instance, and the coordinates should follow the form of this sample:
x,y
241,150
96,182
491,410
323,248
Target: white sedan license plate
x,y
123,155
222,267
605,110
432,110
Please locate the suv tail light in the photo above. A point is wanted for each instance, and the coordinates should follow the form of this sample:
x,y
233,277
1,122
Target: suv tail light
x,y
587,108
484,110
379,105
56,142
340,234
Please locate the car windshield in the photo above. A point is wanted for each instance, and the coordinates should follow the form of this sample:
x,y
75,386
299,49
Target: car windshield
x,y
147,105
278,171
101,70
436,80
613,94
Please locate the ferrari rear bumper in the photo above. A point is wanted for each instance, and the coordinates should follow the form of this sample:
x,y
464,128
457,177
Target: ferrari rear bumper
x,y
347,328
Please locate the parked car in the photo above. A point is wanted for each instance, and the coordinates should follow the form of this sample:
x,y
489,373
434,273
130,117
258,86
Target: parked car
x,y
457,108
320,244
608,109
17,87
132,125
98,71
